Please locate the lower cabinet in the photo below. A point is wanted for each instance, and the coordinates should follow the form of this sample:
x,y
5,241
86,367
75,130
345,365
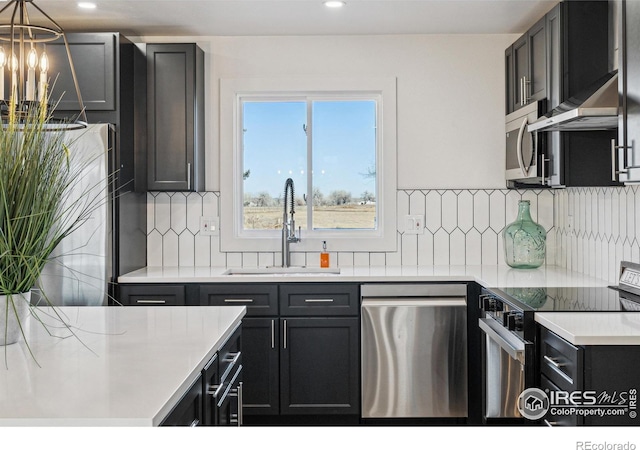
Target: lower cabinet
x,y
598,380
215,397
300,343
319,365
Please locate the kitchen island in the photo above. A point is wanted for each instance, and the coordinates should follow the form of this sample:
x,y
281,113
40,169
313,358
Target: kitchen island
x,y
124,367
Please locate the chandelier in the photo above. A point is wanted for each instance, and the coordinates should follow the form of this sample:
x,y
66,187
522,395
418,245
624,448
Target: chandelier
x,y
24,64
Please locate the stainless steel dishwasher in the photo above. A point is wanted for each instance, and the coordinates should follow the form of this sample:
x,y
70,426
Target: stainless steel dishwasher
x,y
414,350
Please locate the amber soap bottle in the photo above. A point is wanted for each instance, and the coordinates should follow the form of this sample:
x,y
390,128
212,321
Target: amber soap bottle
x,y
324,256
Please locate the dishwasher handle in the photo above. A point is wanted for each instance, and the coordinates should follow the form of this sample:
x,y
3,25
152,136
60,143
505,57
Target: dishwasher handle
x,y
414,301
508,342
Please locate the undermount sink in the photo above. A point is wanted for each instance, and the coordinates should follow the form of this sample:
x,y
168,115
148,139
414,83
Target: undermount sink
x,y
293,270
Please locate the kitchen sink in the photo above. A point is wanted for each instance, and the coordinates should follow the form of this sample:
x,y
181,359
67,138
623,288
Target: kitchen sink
x,y
293,270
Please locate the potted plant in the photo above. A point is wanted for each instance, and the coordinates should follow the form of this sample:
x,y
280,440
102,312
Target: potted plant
x,y
37,174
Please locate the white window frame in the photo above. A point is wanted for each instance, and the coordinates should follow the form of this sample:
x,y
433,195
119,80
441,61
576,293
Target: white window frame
x,y
233,238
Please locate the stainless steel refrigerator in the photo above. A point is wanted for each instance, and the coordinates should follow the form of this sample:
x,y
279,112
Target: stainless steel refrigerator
x,y
84,267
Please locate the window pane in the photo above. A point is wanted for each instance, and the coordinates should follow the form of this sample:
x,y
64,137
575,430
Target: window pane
x,y
274,149
344,164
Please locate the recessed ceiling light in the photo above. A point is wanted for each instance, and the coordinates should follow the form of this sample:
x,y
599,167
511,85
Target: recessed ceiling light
x,y
334,4
87,5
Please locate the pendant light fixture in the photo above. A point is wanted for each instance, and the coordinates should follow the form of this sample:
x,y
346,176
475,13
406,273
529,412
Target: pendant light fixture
x,y
24,63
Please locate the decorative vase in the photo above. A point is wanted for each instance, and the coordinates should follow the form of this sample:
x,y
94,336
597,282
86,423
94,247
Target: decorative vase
x,y
524,240
14,312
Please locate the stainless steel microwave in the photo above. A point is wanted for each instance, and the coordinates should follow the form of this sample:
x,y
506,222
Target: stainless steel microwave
x,y
523,147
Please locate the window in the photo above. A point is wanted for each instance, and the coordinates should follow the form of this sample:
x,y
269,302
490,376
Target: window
x,y
334,138
326,145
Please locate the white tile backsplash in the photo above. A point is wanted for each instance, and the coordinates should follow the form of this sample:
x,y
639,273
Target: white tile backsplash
x,y
461,227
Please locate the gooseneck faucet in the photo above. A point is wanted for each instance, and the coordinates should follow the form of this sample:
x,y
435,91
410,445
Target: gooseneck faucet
x,y
288,224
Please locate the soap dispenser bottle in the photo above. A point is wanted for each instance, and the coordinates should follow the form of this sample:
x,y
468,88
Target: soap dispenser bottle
x,y
324,256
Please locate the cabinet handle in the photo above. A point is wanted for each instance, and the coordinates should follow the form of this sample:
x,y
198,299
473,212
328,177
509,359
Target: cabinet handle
x,y
285,333
318,300
553,362
188,175
550,424
238,300
525,96
152,301
521,91
273,333
195,423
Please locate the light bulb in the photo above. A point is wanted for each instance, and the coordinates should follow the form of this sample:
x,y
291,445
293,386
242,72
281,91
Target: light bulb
x,y
44,62
32,58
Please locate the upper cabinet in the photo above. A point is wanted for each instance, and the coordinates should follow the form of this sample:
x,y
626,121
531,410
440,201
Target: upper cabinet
x,y
561,55
111,74
626,152
525,63
175,117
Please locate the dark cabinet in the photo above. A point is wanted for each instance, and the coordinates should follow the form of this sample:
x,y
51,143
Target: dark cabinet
x,y
175,117
526,66
562,54
627,153
300,347
260,334
319,365
605,371
94,60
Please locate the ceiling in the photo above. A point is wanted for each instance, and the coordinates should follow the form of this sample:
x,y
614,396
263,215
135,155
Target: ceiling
x,y
295,17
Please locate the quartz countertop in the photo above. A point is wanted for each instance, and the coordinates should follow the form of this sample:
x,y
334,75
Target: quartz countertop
x,y
126,367
485,275
590,328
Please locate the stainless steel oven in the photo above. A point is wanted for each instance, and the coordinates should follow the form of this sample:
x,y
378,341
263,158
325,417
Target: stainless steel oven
x,y
508,358
525,160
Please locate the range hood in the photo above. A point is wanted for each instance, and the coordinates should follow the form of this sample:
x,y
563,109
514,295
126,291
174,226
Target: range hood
x,y
595,108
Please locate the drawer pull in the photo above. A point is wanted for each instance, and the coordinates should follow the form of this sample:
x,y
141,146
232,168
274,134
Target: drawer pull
x,y
550,424
318,300
152,301
238,300
553,362
195,423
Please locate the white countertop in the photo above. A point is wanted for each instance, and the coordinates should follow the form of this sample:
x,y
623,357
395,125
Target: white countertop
x,y
485,275
129,367
590,328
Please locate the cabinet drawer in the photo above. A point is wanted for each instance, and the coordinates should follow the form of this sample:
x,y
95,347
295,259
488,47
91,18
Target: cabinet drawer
x,y
260,299
560,361
554,420
230,356
153,295
319,299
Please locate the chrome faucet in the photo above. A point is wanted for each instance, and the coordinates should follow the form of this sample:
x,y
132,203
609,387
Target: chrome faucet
x,y
288,224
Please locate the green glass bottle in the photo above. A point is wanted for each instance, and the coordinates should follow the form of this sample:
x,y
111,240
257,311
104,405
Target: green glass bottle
x,y
524,240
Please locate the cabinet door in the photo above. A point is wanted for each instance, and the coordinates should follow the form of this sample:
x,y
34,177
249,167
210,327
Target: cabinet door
x,y
175,117
94,60
629,84
520,71
319,366
510,81
261,389
536,83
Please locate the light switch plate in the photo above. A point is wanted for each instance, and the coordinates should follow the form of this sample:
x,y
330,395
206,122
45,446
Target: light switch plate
x,y
414,224
209,226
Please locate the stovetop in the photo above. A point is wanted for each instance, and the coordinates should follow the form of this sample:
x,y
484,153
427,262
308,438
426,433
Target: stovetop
x,y
571,299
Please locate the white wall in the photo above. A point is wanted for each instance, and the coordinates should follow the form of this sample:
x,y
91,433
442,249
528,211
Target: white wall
x,y
450,95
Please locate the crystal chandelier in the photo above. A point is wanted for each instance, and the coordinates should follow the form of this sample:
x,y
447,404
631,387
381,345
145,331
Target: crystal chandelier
x,y
24,63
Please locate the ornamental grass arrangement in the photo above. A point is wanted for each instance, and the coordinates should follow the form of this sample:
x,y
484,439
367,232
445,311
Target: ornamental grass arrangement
x,y
38,173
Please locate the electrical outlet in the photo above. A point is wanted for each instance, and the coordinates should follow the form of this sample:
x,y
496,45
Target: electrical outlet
x,y
209,226
414,224
571,225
